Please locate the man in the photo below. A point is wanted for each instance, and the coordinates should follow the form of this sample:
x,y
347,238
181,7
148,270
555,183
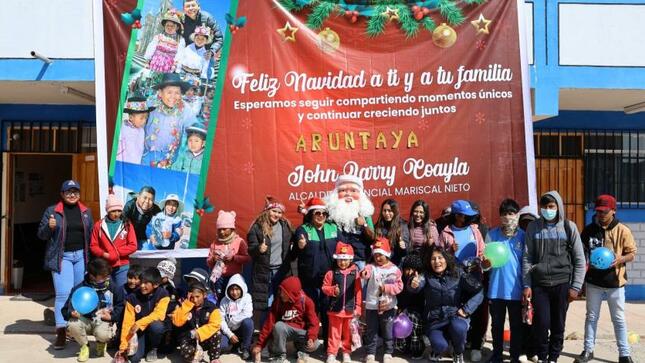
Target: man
x,y
553,272
606,231
195,17
350,208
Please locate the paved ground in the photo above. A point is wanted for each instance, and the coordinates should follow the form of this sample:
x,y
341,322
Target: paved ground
x,y
26,338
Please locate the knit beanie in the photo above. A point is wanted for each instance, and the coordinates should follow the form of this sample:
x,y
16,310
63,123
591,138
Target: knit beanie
x,y
113,203
167,269
225,219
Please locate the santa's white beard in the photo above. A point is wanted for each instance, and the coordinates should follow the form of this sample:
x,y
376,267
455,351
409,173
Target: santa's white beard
x,y
344,213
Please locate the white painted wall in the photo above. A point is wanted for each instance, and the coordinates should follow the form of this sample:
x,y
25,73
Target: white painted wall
x,y
54,28
602,34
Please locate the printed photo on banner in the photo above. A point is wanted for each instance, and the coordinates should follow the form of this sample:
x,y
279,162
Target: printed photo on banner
x,y
162,132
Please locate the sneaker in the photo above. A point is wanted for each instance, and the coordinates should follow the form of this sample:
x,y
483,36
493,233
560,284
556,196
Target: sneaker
x,y
532,359
626,359
61,339
584,357
100,349
152,355
84,353
370,358
459,358
279,359
434,357
331,358
347,358
524,358
302,357
475,355
246,355
387,358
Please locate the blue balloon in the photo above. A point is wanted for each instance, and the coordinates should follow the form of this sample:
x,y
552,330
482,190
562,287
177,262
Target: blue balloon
x,y
85,300
601,258
127,18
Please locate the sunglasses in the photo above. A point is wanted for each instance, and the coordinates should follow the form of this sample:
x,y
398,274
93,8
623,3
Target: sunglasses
x,y
320,213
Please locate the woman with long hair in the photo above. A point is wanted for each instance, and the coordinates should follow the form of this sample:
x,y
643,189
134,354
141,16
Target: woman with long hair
x,y
423,230
392,226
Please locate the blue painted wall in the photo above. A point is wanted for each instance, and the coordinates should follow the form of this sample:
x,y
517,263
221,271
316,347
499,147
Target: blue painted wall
x,y
14,112
36,70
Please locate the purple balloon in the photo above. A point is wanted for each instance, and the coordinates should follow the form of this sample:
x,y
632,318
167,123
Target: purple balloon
x,y
402,326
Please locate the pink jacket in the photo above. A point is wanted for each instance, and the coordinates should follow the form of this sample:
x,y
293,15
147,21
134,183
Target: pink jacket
x,y
237,249
447,240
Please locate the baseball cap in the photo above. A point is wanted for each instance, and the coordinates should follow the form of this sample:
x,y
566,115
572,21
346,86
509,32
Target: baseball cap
x,y
462,207
70,184
605,202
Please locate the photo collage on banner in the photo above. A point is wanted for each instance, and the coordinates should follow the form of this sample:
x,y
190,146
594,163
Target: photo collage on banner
x,y
162,134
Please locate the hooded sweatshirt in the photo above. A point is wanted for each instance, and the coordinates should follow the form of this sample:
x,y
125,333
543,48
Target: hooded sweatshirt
x,y
235,311
550,259
298,312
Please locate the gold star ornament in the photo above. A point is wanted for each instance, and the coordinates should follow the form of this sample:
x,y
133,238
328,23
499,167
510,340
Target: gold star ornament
x,y
481,24
288,33
391,13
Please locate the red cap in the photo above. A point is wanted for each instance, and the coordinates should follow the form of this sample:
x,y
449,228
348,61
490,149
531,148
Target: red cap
x,y
605,202
382,246
315,203
344,251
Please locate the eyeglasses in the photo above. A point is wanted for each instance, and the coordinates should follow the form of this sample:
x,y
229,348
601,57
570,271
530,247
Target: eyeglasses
x,y
71,193
320,213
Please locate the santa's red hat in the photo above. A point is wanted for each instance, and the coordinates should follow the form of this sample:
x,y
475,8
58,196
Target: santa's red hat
x,y
382,246
349,179
344,251
315,203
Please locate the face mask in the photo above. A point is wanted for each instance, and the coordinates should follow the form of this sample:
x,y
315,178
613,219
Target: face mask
x,y
509,224
101,285
548,214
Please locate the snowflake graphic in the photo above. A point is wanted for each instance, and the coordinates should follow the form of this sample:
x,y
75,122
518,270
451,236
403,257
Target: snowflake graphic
x,y
248,167
480,117
247,123
424,124
480,44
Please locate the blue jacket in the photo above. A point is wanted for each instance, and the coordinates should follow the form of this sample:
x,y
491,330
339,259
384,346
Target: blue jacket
x,y
56,238
444,296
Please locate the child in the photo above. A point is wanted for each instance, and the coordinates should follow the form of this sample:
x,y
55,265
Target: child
x,y
165,128
505,283
292,317
193,62
167,269
113,239
199,322
97,322
228,254
132,135
192,99
237,310
383,284
165,48
145,312
412,304
190,160
201,276
343,285
165,227
132,284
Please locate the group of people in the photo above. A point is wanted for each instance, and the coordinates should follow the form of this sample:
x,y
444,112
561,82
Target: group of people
x,y
168,113
340,270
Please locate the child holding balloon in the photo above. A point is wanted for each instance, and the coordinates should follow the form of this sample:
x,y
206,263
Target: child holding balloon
x,y
608,245
343,285
92,307
505,280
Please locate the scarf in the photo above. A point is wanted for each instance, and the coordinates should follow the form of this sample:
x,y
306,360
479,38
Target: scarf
x,y
228,239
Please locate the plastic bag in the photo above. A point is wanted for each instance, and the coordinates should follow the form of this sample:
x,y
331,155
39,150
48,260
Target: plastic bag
x,y
217,271
355,330
133,345
527,312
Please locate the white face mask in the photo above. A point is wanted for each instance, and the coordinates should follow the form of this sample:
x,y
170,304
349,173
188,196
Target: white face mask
x,y
549,214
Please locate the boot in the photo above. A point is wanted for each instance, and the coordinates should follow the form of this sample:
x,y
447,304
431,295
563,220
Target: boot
x,y
584,357
61,339
626,359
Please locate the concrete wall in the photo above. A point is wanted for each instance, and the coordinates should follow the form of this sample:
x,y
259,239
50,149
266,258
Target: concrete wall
x,y
636,270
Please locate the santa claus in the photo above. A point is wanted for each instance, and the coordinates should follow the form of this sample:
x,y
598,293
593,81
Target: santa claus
x,y
351,210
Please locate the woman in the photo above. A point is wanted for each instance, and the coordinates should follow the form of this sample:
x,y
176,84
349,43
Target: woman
x,y
450,299
114,239
140,211
269,243
391,226
422,229
66,226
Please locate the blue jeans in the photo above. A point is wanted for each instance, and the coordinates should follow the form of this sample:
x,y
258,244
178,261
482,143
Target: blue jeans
x,y
244,333
616,300
455,330
72,272
120,275
148,339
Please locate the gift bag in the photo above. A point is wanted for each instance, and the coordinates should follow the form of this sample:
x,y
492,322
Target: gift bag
x,y
119,358
133,345
355,330
527,312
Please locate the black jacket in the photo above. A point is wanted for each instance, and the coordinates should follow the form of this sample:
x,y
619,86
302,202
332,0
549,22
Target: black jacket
x,y
139,221
111,295
262,263
203,18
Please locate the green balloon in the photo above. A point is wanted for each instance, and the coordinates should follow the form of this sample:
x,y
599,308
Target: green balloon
x,y
497,253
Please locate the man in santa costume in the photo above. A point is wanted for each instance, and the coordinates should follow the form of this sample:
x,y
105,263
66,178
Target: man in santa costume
x,y
351,210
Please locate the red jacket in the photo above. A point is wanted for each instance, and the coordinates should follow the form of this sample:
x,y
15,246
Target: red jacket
x,y
123,245
299,312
